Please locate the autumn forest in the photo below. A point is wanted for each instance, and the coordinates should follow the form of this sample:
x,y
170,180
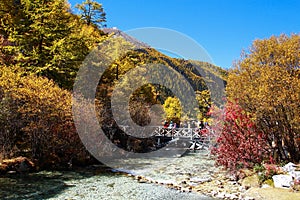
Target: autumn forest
x,y
43,43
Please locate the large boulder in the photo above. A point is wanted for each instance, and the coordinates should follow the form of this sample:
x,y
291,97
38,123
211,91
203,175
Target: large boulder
x,y
293,170
250,181
282,181
290,167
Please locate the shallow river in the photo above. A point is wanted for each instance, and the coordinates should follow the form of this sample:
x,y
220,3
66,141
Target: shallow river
x,y
84,185
97,183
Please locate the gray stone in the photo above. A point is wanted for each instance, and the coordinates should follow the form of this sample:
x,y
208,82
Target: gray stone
x,y
214,193
265,186
289,167
23,167
200,180
295,175
231,196
282,181
221,195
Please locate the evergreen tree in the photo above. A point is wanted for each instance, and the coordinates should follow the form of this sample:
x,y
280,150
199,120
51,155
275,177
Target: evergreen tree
x,y
92,12
47,39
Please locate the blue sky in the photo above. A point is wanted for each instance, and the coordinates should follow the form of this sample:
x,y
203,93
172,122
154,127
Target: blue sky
x,y
222,27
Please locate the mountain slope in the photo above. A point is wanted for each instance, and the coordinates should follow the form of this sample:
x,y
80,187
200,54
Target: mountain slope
x,y
117,33
201,75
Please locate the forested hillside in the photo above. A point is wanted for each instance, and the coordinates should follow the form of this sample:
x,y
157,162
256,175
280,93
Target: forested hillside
x,y
203,78
42,46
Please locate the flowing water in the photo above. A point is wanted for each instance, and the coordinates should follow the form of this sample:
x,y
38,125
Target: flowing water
x,y
96,183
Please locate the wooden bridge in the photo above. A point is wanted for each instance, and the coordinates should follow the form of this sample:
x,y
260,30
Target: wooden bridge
x,y
178,132
198,138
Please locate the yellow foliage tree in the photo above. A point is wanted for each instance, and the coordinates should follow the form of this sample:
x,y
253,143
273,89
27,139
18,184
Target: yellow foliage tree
x,y
266,83
173,109
203,97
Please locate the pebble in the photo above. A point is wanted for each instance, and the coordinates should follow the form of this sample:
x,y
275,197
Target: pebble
x,y
249,198
214,193
265,186
221,195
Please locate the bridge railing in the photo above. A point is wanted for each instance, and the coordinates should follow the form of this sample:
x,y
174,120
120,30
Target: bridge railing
x,y
204,136
181,132
173,132
176,132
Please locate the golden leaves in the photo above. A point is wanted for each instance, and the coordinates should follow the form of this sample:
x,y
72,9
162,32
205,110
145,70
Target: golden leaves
x,y
36,113
266,83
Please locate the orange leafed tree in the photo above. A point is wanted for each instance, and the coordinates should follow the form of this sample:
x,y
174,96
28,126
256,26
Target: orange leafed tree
x,y
36,119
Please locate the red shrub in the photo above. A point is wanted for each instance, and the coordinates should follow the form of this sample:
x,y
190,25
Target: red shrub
x,y
239,142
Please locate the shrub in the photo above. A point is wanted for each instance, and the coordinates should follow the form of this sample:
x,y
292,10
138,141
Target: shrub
x,y
238,141
266,171
36,119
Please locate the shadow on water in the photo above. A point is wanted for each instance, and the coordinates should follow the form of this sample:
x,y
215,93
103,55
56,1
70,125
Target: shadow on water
x,y
44,184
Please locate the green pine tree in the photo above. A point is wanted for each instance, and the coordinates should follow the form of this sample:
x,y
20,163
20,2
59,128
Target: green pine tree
x,y
92,12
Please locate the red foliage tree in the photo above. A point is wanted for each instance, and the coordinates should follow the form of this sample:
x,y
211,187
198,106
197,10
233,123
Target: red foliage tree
x,y
238,141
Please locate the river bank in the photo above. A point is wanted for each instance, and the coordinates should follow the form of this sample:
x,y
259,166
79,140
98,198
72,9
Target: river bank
x,y
196,172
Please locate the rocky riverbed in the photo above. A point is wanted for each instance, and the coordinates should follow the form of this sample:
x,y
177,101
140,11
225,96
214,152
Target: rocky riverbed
x,y
76,186
94,182
192,176
193,172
